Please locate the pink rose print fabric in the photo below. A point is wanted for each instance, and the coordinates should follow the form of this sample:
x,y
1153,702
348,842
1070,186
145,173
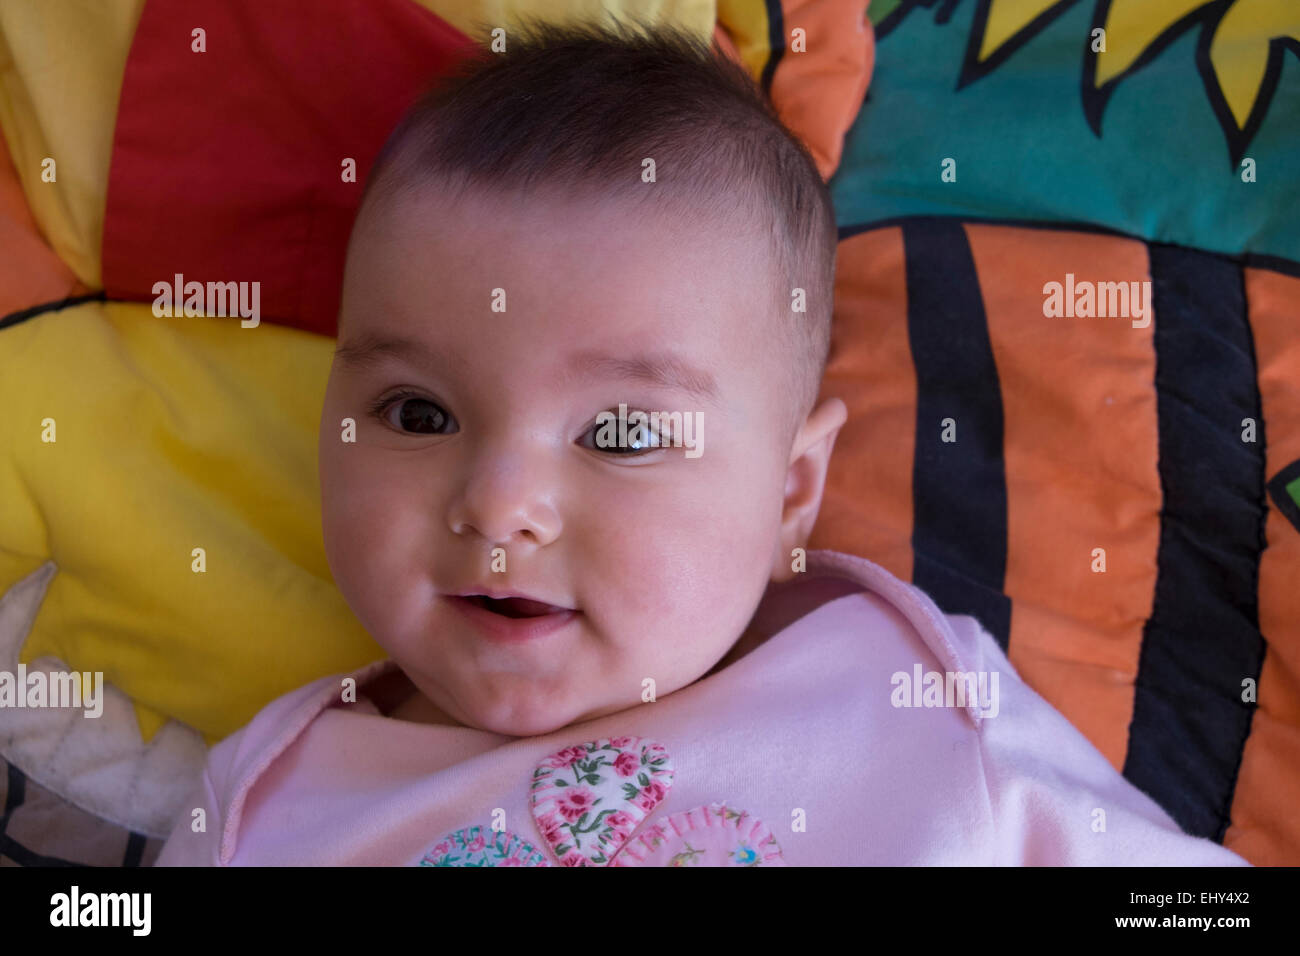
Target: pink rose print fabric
x,y
712,835
476,846
588,801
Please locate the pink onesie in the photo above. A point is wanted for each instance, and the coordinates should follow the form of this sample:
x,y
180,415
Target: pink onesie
x,y
873,730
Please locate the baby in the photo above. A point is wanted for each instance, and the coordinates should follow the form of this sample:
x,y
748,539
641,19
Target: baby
x,y
606,643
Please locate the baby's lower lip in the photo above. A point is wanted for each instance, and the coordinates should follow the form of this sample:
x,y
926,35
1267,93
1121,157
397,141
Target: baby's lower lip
x,y
510,629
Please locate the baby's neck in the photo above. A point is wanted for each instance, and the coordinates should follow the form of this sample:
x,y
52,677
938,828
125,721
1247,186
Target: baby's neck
x,y
419,709
396,697
782,605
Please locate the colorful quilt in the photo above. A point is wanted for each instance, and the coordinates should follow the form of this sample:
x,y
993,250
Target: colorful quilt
x,y
1068,274
1067,326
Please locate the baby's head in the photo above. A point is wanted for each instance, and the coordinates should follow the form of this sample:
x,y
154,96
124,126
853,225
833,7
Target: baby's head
x,y
589,220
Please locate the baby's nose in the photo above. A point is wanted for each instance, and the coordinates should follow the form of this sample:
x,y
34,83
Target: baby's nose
x,y
506,503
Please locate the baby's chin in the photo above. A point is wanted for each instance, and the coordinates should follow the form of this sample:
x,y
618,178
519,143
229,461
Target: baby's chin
x,y
513,721
521,713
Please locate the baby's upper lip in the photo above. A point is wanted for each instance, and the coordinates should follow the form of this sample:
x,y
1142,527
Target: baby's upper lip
x,y
499,595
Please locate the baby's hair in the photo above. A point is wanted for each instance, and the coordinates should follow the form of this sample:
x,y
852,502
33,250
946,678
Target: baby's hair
x,y
574,109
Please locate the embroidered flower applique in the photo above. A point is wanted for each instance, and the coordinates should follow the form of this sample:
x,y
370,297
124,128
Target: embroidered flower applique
x,y
588,801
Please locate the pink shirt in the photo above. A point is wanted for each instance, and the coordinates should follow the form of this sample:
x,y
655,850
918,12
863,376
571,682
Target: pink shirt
x,y
819,747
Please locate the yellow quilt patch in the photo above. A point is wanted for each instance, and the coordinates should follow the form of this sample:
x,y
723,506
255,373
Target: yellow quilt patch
x,y
171,435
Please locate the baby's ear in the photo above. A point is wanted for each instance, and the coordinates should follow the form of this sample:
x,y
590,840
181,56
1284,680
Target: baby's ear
x,y
805,481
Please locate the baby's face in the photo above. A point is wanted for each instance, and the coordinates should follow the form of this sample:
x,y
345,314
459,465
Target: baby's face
x,y
477,430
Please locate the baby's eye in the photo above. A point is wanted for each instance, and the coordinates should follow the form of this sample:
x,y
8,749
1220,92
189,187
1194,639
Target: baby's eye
x,y
415,415
626,439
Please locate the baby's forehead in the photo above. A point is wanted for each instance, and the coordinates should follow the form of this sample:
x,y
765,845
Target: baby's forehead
x,y
659,214
568,245
559,269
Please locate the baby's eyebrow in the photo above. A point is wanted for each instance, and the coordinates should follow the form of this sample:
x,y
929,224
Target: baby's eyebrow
x,y
370,350
665,369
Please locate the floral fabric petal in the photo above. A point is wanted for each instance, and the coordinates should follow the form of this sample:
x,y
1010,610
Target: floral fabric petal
x,y
709,835
477,846
588,798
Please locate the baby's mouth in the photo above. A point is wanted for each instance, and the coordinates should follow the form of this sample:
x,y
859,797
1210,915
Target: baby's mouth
x,y
513,607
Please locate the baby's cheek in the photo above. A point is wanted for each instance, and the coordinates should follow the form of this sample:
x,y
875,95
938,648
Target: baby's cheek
x,y
685,584
374,543
722,525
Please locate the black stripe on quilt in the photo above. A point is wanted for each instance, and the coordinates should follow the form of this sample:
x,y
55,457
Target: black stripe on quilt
x,y
135,844
775,43
16,793
959,489
15,851
13,318
1202,639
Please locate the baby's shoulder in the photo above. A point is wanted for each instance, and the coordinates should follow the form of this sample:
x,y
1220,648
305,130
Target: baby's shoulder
x,y
894,621
236,761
